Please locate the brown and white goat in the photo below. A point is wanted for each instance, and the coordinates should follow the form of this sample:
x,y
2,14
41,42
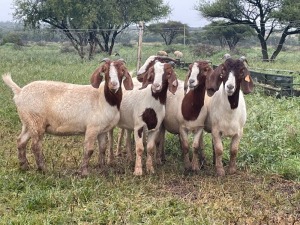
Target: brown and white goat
x,y
143,109
186,112
150,61
227,108
69,109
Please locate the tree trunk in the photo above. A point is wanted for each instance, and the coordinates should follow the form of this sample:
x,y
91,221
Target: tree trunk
x,y
280,44
112,43
264,48
99,43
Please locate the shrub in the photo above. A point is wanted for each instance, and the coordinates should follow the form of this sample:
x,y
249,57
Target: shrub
x,y
12,38
67,48
204,50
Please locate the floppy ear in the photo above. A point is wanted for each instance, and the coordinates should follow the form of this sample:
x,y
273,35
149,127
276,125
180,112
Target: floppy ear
x,y
247,84
148,78
172,83
186,81
96,77
128,84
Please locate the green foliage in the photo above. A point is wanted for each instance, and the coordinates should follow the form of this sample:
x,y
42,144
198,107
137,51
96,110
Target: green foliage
x,y
271,134
12,38
202,50
289,12
227,33
95,22
262,16
169,30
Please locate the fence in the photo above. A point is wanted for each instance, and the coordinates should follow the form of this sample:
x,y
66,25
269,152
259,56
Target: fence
x,y
278,85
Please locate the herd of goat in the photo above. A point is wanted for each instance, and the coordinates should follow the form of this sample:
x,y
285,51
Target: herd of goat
x,y
153,102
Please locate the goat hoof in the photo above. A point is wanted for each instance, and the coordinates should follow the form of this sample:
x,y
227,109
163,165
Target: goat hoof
x,y
220,172
24,166
81,173
41,170
138,172
196,168
150,170
232,170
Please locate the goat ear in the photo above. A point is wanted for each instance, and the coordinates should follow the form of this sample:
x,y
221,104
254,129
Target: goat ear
x,y
128,84
147,78
96,77
186,81
247,84
172,83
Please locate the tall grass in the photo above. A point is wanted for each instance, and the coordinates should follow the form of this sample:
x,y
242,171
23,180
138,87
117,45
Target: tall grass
x,y
269,151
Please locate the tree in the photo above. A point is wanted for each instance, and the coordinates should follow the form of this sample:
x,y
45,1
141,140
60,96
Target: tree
x,y
261,15
289,18
229,34
89,22
168,31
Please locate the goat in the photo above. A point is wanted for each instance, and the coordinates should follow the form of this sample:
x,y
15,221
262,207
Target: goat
x,y
186,112
227,108
162,53
178,54
69,109
140,76
144,108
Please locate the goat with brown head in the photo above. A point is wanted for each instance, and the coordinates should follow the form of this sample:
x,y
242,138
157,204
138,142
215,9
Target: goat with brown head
x,y
227,108
234,76
150,62
162,77
114,72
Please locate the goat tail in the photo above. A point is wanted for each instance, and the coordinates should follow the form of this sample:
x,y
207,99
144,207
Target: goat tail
x,y
10,83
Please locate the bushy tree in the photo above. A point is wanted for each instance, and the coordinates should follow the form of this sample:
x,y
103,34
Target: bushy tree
x,y
228,34
92,22
264,16
169,30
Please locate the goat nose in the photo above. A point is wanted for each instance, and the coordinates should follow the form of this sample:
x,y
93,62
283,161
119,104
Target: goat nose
x,y
114,83
156,85
230,86
191,81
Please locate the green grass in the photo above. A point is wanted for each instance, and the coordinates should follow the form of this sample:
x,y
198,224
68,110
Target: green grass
x,y
264,191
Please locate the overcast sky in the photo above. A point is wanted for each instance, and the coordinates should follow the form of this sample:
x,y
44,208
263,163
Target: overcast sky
x,y
182,10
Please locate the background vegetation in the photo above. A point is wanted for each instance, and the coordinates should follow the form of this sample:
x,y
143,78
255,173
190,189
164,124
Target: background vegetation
x,y
264,191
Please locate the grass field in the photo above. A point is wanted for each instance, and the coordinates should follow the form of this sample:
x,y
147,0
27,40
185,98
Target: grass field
x,y
266,189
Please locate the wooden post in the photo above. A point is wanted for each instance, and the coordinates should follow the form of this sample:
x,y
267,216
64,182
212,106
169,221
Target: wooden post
x,y
139,53
184,35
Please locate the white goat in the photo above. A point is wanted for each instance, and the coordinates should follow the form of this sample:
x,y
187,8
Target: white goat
x,y
162,53
227,108
69,109
178,54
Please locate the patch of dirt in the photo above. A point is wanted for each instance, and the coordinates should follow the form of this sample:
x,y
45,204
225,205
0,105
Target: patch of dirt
x,y
243,198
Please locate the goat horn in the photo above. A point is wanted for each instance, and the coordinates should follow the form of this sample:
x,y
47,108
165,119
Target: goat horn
x,y
172,63
122,60
104,60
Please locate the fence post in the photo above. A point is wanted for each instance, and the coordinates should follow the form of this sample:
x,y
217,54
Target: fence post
x,y
139,55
